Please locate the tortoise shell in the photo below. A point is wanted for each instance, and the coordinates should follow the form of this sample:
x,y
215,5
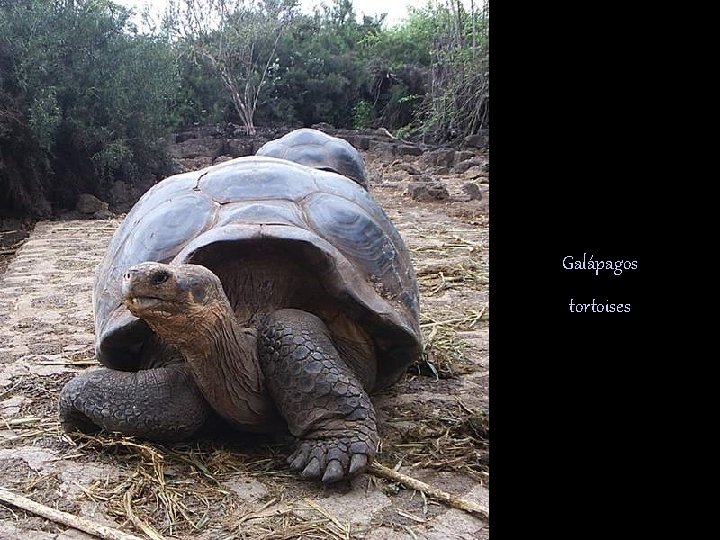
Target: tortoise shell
x,y
317,149
243,208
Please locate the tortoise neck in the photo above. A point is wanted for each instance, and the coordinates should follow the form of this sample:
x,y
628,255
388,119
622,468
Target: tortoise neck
x,y
223,358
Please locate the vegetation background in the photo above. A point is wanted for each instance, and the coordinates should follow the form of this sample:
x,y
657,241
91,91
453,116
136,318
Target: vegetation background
x,y
88,98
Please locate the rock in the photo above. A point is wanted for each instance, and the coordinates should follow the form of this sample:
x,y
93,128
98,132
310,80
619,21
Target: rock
x,y
441,170
464,165
231,149
89,204
194,148
71,214
178,168
385,149
358,141
474,172
442,157
361,143
103,214
480,140
428,191
234,130
322,125
463,155
197,163
408,150
472,191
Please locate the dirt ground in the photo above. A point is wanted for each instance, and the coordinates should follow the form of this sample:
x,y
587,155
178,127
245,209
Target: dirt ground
x,y
434,423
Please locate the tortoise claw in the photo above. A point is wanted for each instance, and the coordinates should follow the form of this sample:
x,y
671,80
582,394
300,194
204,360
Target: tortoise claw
x,y
312,470
358,462
299,458
331,460
334,472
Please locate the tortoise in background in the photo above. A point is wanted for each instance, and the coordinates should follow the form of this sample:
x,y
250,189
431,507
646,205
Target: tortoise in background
x,y
273,294
319,150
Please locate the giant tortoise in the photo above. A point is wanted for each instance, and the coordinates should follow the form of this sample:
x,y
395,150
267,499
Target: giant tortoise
x,y
317,149
275,295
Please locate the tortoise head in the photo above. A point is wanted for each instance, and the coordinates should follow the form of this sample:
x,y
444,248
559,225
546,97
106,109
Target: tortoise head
x,y
171,296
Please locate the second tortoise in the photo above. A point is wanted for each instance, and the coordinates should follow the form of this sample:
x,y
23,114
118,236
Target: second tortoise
x,y
317,149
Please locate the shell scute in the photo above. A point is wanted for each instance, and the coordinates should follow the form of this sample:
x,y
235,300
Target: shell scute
x,y
257,180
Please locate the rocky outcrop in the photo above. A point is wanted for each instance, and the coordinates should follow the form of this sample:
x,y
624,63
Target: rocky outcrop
x,y
89,204
481,140
441,157
428,191
466,164
472,191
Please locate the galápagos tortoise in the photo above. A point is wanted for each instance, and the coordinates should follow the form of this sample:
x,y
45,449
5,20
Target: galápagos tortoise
x,y
273,294
317,149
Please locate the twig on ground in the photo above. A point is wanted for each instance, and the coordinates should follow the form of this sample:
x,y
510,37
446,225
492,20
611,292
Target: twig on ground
x,y
69,520
456,502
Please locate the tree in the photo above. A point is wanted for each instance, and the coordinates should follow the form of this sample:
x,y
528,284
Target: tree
x,y
84,102
238,39
319,75
432,71
459,98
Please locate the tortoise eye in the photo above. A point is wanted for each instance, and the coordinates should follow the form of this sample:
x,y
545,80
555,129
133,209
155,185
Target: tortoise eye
x,y
160,277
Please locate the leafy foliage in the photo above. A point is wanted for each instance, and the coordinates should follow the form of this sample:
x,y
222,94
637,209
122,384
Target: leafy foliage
x,y
431,73
363,115
86,99
459,99
84,102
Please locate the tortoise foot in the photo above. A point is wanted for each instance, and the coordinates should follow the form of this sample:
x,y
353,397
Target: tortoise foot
x,y
320,397
333,459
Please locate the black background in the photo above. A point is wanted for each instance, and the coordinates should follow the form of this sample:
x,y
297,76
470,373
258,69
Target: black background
x,y
575,168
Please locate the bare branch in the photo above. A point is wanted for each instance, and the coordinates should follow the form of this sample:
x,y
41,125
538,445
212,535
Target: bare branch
x,y
231,35
69,520
456,502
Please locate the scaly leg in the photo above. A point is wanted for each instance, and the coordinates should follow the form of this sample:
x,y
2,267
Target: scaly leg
x,y
162,404
319,396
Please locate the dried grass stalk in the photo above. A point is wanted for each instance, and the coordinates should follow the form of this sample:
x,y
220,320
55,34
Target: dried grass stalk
x,y
136,521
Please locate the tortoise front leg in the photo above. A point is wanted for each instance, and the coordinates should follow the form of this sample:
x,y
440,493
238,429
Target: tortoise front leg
x,y
162,404
319,396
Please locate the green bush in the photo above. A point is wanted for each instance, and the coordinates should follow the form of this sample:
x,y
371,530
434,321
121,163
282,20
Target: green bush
x,y
363,115
87,99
